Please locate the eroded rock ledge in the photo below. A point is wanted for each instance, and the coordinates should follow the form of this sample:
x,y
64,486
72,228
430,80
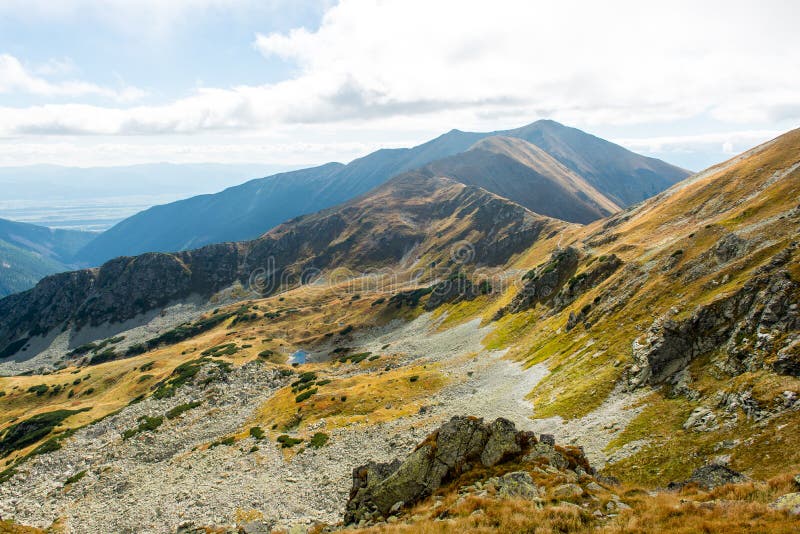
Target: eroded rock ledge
x,y
458,446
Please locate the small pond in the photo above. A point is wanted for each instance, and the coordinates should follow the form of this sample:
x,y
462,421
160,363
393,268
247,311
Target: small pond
x,y
298,357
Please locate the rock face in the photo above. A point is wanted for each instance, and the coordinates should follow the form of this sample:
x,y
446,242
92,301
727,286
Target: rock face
x,y
458,445
586,280
543,282
456,288
757,325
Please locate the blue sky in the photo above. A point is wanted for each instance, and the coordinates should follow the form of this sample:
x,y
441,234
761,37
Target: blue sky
x,y
106,82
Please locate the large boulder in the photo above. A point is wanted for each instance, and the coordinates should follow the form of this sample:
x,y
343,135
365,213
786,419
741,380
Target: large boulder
x,y
711,476
789,502
458,445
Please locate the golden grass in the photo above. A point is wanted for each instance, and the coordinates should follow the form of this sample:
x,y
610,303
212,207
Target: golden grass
x,y
369,398
742,508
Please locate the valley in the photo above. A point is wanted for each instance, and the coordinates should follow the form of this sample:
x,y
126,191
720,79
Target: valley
x,y
654,345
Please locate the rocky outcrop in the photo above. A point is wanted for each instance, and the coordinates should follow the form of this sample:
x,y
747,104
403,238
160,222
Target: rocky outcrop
x,y
757,326
711,476
543,282
380,490
457,288
586,280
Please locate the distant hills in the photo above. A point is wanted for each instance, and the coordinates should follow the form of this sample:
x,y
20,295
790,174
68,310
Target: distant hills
x,y
548,168
614,177
29,252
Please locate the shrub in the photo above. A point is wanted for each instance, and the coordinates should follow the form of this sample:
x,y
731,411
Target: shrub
x,y
413,378
230,440
146,366
355,358
305,395
257,432
40,390
75,478
318,440
346,330
144,378
146,424
226,349
89,391
181,333
185,372
301,387
319,382
308,376
179,410
105,356
27,432
378,301
287,442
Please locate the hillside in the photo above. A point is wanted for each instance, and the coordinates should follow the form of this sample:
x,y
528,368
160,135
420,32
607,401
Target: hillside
x,y
413,218
247,211
662,340
623,176
29,252
520,171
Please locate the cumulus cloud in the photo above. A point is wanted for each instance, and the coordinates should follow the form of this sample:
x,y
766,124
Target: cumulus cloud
x,y
15,78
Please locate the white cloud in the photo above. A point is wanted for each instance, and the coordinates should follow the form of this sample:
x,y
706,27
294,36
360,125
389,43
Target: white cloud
x,y
15,78
415,67
90,153
469,63
727,142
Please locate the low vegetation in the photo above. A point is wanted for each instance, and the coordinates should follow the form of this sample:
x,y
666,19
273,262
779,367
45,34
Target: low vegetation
x,y
146,424
25,433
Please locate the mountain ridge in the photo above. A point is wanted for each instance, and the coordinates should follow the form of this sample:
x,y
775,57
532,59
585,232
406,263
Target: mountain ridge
x,y
268,201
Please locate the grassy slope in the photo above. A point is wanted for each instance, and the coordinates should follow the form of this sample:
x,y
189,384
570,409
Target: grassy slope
x,y
586,364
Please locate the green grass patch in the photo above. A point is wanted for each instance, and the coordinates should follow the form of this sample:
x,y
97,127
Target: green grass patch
x,y
318,440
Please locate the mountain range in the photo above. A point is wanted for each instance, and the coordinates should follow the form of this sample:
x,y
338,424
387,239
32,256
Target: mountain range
x,y
424,346
246,211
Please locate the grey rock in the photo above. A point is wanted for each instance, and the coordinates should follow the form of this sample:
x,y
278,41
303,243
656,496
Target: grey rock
x,y
502,442
789,502
711,476
456,446
567,491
